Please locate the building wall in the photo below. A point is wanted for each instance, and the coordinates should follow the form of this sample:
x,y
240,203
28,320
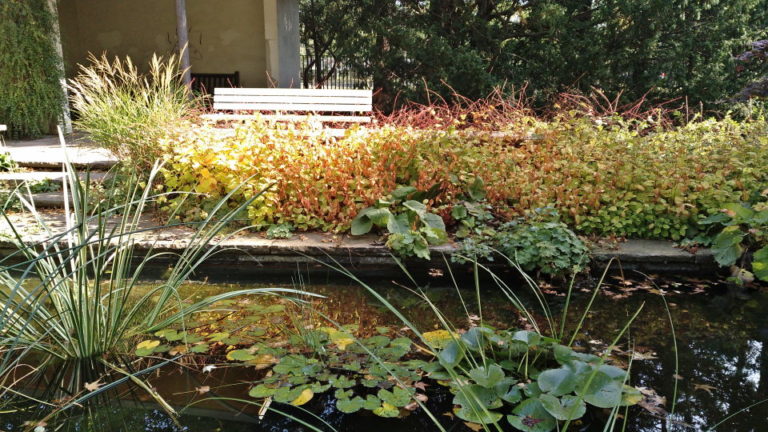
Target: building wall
x,y
224,35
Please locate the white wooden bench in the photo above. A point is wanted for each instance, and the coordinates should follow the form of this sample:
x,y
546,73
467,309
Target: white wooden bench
x,y
285,104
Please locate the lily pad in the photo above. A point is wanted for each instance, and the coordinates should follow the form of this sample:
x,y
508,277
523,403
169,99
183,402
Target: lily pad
x,y
568,407
531,416
558,381
350,406
387,410
487,376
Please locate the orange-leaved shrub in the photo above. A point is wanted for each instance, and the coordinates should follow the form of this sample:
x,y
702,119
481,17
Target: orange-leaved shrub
x,y
603,179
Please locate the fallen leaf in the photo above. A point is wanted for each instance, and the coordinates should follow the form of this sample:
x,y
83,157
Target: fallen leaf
x,y
474,426
203,389
677,377
706,387
93,386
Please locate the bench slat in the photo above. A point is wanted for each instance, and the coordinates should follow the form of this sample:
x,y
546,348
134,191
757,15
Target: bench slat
x,y
295,100
290,92
234,106
288,117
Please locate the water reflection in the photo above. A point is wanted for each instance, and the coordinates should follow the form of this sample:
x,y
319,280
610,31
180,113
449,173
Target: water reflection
x,y
721,367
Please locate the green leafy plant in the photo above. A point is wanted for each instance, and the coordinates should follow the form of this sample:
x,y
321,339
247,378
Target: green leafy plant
x,y
615,177
6,163
744,235
84,304
473,213
410,226
128,112
280,231
492,371
539,242
28,106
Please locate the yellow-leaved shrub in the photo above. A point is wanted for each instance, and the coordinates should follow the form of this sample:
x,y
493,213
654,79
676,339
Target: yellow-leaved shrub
x,y
604,180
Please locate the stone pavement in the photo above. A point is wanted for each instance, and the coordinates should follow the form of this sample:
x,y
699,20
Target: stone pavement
x,y
359,252
47,153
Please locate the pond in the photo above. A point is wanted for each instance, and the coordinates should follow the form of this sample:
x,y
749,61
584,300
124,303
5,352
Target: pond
x,y
720,370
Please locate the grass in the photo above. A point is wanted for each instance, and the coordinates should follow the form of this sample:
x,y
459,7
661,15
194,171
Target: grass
x,y
127,112
75,296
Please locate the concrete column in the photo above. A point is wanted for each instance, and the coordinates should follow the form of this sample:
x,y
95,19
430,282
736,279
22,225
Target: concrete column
x,y
182,32
66,118
281,33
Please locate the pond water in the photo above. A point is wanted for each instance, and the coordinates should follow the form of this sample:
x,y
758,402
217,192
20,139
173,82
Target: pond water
x,y
721,367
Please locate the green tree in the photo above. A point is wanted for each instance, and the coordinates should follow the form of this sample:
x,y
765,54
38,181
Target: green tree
x,y
673,48
30,93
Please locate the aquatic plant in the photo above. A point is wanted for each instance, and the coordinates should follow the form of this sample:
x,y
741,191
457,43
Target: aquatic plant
x,y
529,378
743,234
83,302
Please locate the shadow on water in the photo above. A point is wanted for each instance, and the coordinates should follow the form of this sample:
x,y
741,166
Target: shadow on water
x,y
722,362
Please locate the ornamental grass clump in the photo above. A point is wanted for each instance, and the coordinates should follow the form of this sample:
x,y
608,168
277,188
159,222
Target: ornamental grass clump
x,y
127,112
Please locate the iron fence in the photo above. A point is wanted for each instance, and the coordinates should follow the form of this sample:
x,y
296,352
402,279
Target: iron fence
x,y
333,74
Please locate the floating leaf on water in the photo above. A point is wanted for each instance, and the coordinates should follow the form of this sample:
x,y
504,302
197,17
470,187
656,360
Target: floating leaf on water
x,y
557,381
146,347
304,397
217,337
631,396
531,416
568,407
240,355
387,410
371,402
350,406
487,377
398,397
93,386
602,392
262,361
199,348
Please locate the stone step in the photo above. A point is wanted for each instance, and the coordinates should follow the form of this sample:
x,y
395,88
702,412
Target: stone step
x,y
47,153
49,199
52,176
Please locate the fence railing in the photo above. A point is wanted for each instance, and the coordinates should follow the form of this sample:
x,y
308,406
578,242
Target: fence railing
x,y
334,75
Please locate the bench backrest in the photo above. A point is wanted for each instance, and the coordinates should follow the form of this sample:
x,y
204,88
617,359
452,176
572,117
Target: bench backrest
x,y
206,82
292,100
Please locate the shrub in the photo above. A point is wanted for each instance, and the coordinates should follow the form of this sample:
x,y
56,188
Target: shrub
x,y
617,178
30,92
127,112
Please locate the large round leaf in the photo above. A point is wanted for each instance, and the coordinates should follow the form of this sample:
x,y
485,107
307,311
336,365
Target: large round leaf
x,y
602,391
487,376
567,407
558,381
760,264
531,416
